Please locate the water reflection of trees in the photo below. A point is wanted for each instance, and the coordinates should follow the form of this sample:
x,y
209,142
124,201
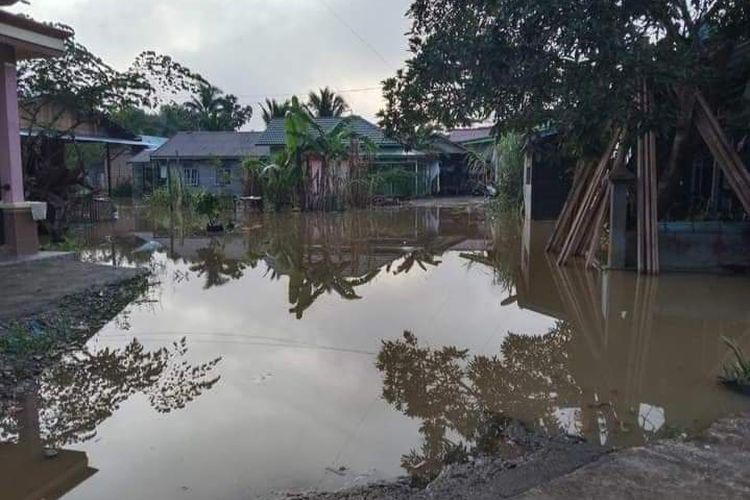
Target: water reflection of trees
x,y
503,254
472,397
324,254
212,262
73,397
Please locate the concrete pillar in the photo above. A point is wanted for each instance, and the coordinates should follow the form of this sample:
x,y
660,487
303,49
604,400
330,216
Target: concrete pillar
x,y
618,214
11,170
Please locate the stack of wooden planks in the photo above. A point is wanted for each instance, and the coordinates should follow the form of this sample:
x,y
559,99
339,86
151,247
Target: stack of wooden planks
x,y
647,230
578,229
731,164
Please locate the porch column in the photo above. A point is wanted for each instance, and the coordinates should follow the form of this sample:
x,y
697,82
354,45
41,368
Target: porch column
x,y
11,170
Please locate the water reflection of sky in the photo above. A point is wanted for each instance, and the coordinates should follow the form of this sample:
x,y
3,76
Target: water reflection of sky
x,y
295,396
300,394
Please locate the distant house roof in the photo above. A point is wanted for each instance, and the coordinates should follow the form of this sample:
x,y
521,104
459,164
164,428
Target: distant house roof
x,y
194,145
464,135
275,135
142,157
442,144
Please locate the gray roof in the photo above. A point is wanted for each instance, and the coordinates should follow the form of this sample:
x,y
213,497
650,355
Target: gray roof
x,y
463,135
211,145
142,157
274,134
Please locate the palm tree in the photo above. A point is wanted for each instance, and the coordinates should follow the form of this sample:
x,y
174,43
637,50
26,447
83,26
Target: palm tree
x,y
326,103
206,106
274,109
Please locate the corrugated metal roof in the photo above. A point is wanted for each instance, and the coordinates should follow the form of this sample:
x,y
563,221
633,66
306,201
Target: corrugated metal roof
x,y
154,141
275,135
211,145
462,135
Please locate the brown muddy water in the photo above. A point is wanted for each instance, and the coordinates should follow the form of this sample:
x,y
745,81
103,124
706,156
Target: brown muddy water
x,y
275,358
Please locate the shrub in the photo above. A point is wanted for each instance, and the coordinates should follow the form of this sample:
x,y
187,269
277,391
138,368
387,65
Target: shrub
x,y
209,205
123,190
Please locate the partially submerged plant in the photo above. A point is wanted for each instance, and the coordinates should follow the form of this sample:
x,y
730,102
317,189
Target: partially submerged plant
x,y
209,205
737,373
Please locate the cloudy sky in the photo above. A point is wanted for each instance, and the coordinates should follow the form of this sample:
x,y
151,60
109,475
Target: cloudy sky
x,y
251,48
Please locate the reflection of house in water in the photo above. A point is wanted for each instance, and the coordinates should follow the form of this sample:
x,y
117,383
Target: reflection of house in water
x,y
330,253
645,351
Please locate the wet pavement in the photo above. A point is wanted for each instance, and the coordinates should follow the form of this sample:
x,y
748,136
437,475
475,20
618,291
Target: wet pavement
x,y
333,350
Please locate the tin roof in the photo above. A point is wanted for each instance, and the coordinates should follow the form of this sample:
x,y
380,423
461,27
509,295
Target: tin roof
x,y
211,145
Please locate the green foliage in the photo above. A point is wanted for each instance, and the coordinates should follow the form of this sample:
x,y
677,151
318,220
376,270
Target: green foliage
x,y
66,244
20,341
274,109
213,110
278,178
208,205
572,65
509,167
123,190
170,119
738,372
326,103
178,197
394,181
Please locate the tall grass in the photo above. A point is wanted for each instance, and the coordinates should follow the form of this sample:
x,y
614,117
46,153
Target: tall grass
x,y
737,372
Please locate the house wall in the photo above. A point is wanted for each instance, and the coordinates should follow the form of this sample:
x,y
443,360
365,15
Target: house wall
x,y
546,184
207,174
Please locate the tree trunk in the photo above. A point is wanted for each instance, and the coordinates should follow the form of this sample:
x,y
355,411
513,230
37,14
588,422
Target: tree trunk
x,y
680,141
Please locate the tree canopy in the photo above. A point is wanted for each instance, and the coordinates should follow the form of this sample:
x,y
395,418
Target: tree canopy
x,y
573,64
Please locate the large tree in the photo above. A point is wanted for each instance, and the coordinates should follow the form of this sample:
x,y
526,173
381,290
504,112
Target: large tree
x,y
326,103
572,64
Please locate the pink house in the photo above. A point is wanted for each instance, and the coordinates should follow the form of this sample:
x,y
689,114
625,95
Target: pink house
x,y
20,38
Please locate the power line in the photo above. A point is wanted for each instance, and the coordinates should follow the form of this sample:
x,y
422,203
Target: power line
x,y
290,94
271,96
355,33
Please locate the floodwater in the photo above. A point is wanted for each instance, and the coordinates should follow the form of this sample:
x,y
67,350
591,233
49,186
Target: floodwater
x,y
328,350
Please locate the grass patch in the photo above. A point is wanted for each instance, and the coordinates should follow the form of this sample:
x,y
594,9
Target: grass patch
x,y
736,373
20,340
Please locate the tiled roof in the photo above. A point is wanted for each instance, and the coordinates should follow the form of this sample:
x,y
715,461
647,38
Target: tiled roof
x,y
274,134
461,135
211,145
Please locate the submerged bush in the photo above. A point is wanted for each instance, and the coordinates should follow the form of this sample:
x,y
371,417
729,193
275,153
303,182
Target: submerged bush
x,y
738,372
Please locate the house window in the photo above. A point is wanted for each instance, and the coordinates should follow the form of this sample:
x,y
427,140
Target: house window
x,y
191,177
223,176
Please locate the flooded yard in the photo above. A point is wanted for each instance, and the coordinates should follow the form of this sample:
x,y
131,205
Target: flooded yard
x,y
318,351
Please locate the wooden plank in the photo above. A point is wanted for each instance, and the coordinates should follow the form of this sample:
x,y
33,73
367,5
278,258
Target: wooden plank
x,y
587,206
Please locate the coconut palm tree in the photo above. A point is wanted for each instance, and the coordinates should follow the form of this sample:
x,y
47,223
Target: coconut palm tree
x,y
206,105
274,109
214,110
326,103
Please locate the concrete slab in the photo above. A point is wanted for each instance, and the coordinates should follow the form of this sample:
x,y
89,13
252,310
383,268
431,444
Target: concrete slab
x,y
714,466
33,286
12,260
